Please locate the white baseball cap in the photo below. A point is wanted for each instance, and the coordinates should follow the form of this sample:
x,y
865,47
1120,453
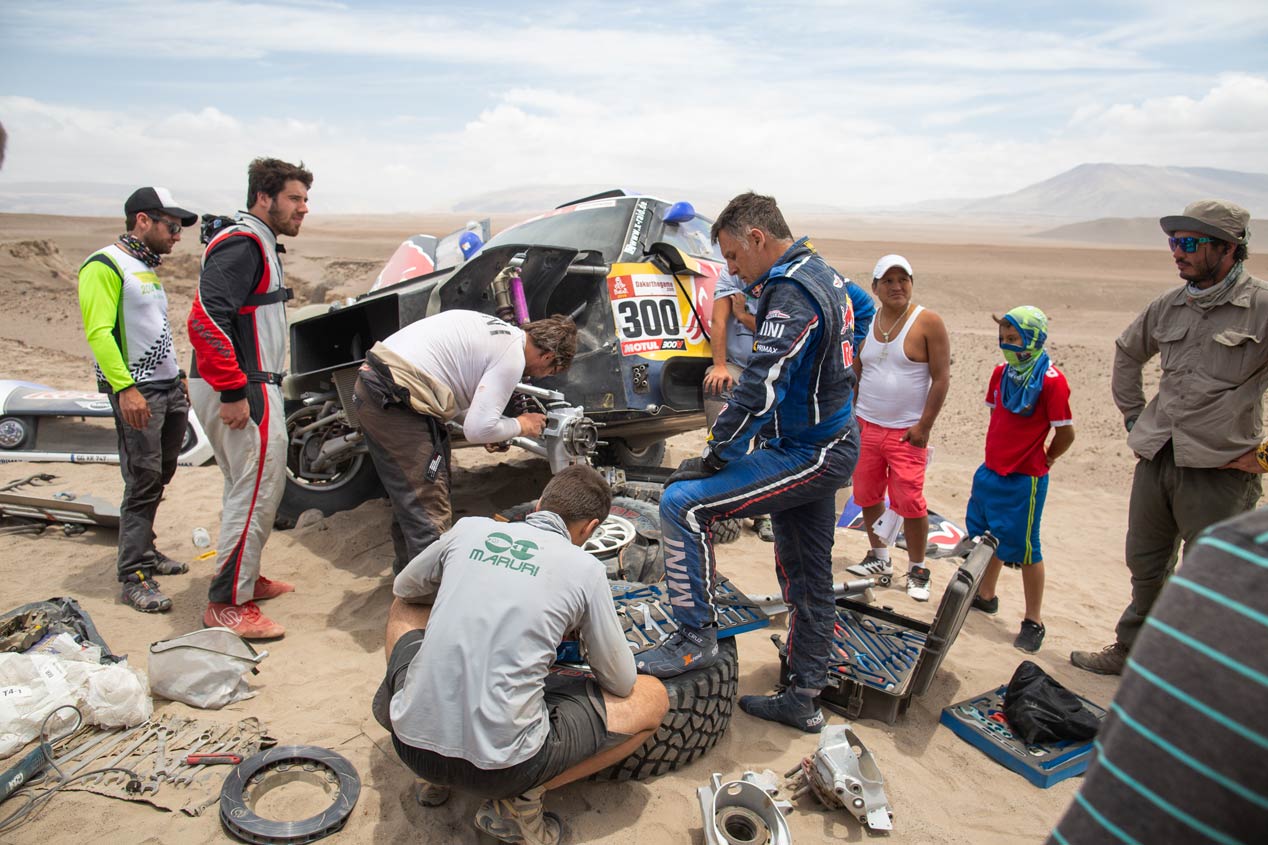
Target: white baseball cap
x,y
888,261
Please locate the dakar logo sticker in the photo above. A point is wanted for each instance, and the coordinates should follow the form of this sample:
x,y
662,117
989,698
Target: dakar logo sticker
x,y
502,550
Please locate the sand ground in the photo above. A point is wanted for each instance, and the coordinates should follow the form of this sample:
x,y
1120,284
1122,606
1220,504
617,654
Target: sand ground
x,y
315,686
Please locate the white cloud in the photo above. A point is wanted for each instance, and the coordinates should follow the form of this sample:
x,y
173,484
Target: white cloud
x,y
1226,127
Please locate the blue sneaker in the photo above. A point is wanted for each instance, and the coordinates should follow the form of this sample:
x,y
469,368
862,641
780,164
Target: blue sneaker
x,y
788,707
682,651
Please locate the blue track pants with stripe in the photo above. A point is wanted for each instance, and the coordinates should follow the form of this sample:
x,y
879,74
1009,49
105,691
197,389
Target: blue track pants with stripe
x,y
797,486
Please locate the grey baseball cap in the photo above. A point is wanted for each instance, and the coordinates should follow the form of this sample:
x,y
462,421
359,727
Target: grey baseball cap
x,y
1219,219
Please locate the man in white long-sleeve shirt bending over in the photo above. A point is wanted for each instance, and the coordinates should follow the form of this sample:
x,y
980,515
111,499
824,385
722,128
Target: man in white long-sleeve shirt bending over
x,y
469,697
458,365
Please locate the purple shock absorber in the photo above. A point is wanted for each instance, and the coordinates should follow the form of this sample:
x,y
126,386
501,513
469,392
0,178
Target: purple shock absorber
x,y
518,299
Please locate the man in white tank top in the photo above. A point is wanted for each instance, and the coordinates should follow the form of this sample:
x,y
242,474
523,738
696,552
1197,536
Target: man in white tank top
x,y
904,370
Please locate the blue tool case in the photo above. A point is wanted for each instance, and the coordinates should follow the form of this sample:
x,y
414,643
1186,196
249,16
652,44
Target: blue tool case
x,y
980,722
884,659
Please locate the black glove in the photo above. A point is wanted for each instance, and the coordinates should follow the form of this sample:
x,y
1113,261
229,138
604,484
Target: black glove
x,y
1130,422
690,470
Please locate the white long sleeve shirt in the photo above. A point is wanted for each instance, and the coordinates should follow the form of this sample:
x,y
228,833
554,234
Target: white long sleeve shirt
x,y
479,357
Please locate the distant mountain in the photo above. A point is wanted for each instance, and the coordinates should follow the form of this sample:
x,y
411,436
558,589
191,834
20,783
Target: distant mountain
x,y
1129,231
527,199
1092,191
103,199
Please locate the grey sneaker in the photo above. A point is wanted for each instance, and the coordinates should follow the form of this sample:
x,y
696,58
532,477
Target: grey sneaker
x,y
684,650
164,565
918,583
788,707
871,566
1108,661
521,819
143,594
1030,637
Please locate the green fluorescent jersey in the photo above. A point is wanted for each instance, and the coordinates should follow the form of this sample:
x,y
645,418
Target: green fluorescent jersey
x,y
124,308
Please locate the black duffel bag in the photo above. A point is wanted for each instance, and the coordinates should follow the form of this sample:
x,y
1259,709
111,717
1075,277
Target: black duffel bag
x,y
1039,709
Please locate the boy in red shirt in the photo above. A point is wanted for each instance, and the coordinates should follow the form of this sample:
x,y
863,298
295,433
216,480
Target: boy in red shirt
x,y
1027,396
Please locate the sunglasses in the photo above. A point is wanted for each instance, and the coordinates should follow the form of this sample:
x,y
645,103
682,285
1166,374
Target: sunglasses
x,y
174,226
1188,244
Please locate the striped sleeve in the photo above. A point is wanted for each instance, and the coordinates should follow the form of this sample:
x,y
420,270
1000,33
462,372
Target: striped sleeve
x,y
1181,755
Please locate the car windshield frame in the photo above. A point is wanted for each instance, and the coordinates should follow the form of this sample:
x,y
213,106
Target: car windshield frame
x,y
600,225
620,228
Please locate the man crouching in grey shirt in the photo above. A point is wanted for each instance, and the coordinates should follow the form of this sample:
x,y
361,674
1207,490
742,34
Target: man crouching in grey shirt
x,y
473,705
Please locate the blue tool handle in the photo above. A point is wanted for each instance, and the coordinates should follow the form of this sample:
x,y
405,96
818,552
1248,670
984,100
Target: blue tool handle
x,y
28,767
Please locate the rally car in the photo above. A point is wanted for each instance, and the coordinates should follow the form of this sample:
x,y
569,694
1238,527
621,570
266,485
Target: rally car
x,y
42,423
635,272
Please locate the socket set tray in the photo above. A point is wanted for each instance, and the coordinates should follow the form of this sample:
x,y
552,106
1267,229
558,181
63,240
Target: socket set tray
x,y
647,617
980,722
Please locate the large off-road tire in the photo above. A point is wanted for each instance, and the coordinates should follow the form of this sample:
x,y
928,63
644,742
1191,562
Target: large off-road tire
x,y
637,559
619,453
355,480
700,708
724,530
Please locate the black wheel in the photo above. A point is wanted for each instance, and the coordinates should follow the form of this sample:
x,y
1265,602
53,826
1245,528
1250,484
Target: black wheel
x,y
16,431
619,453
628,541
724,530
700,708
727,530
338,487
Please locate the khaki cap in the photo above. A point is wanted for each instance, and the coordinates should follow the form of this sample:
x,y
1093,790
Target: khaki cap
x,y
1219,219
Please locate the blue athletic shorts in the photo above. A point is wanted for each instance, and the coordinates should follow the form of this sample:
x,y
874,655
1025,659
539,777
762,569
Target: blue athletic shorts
x,y
1010,507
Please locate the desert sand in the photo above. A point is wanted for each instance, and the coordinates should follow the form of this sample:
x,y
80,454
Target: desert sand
x,y
315,687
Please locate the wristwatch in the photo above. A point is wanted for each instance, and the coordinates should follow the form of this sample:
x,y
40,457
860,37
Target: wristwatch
x,y
1261,455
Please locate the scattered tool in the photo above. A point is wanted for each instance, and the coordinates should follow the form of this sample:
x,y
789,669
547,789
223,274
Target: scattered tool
x,y
212,759
843,773
744,811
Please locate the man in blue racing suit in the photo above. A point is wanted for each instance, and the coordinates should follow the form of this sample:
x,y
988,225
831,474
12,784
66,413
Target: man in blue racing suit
x,y
796,396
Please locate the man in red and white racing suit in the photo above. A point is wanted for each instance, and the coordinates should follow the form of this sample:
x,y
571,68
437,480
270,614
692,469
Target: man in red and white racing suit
x,y
238,329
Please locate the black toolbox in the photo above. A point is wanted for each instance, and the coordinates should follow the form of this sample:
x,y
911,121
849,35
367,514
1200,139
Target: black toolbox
x,y
883,659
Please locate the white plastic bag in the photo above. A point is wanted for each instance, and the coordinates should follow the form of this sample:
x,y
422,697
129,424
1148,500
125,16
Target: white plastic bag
x,y
34,685
203,668
118,697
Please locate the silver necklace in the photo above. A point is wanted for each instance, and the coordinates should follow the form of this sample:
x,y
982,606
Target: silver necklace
x,y
885,334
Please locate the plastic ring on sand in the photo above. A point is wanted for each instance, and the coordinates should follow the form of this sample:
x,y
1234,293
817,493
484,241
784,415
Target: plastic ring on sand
x,y
254,774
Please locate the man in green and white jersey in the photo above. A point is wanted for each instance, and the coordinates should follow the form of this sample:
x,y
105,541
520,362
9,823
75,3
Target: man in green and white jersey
x,y
125,319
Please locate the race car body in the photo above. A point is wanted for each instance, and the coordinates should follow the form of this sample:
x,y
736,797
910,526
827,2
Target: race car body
x,y
636,273
40,423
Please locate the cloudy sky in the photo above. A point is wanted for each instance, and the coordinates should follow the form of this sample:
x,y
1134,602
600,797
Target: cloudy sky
x,y
414,106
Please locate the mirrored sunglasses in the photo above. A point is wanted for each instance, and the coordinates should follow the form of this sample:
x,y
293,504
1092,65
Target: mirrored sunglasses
x,y
174,226
1188,244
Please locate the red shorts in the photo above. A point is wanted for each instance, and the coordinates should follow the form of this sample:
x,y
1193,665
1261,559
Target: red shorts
x,y
885,461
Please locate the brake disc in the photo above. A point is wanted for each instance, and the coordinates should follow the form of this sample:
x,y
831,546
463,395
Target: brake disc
x,y
258,774
612,535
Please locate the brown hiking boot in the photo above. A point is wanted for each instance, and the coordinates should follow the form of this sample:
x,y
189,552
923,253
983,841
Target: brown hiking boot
x,y
1108,661
245,620
430,794
520,819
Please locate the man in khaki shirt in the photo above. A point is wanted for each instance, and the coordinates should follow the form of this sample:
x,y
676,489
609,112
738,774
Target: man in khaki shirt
x,y
1198,441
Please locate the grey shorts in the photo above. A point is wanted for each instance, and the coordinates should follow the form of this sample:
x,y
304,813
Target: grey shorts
x,y
578,731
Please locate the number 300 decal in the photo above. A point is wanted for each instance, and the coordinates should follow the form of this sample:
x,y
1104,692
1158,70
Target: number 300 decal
x,y
648,317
